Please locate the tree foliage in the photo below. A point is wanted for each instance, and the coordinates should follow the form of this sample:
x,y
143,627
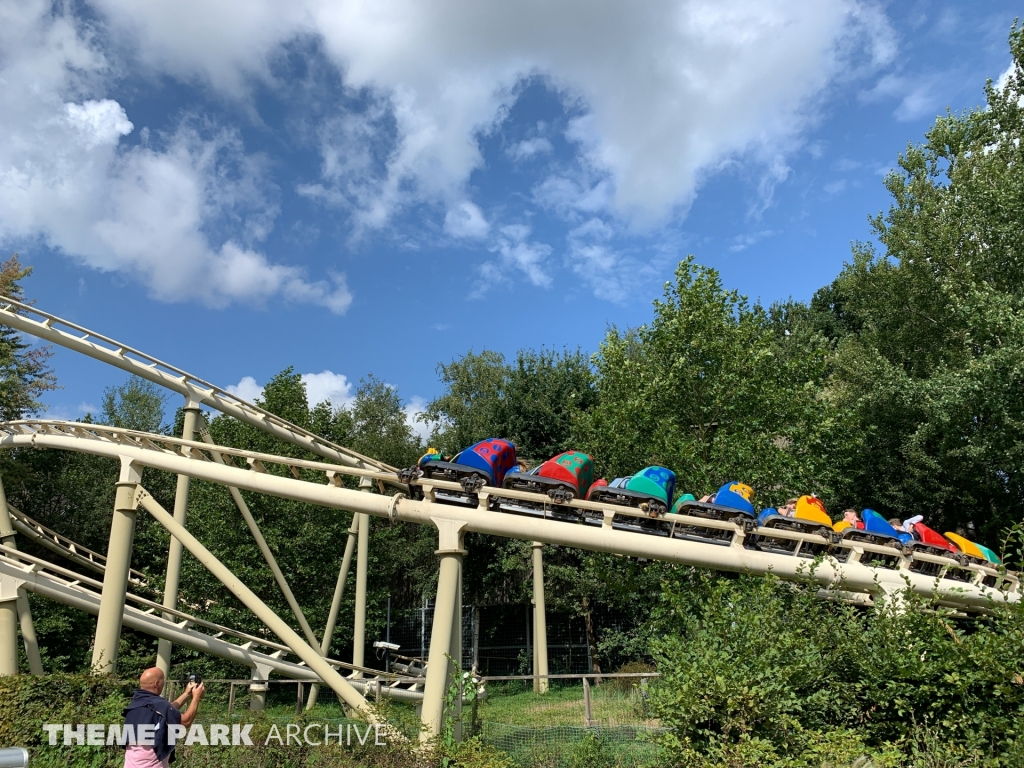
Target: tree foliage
x,y
24,375
930,332
710,390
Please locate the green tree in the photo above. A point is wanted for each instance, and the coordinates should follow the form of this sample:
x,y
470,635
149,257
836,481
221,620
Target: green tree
x,y
710,389
470,408
379,425
930,332
544,391
24,375
137,404
532,402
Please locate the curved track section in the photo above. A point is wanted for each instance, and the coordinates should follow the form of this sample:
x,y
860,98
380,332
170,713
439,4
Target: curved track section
x,y
43,325
66,548
77,591
972,587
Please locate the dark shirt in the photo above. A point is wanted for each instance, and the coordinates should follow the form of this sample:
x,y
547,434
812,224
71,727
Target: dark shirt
x,y
148,708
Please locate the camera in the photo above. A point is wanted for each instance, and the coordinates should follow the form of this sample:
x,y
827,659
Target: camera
x,y
195,679
380,644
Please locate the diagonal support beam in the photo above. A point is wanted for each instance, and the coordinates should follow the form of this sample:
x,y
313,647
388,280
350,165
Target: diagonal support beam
x,y
173,579
268,556
310,655
115,577
24,611
339,591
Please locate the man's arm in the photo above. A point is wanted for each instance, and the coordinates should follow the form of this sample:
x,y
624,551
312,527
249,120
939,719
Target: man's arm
x,y
190,714
178,702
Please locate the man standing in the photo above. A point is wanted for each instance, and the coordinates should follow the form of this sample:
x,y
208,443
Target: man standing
x,y
148,707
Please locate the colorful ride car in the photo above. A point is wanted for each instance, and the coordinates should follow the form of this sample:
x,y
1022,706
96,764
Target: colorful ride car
x,y
810,516
482,464
970,551
650,490
736,508
565,477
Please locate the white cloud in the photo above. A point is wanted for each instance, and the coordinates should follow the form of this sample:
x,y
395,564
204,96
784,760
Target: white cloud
x,y
917,97
156,214
572,197
835,187
334,388
667,89
416,406
247,389
466,220
65,412
326,386
611,273
517,253
742,242
529,148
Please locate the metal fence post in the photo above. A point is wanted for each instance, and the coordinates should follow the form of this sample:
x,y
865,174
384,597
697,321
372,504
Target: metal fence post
x,y
588,714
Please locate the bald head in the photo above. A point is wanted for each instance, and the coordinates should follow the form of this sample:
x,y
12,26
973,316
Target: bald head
x,y
152,680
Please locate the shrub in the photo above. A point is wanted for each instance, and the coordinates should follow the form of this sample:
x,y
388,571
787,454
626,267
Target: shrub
x,y
756,671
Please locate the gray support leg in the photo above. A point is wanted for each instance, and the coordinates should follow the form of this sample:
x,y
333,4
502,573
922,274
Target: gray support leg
x,y
455,649
339,592
540,626
450,552
28,630
163,651
359,627
28,635
8,626
258,688
115,578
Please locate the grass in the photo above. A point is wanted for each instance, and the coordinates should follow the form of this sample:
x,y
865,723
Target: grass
x,y
563,705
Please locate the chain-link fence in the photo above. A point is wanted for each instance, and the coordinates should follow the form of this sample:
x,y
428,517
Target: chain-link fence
x,y
578,720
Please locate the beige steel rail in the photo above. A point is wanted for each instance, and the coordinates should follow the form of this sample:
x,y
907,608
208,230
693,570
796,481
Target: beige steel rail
x,y
43,325
77,591
65,547
193,459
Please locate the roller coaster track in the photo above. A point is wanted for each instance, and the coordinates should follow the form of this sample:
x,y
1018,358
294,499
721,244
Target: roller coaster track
x,y
73,589
65,547
43,325
842,568
858,567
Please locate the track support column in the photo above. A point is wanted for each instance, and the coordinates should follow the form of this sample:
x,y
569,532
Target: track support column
x,y
188,430
339,592
8,626
258,688
115,578
450,551
540,625
359,626
28,630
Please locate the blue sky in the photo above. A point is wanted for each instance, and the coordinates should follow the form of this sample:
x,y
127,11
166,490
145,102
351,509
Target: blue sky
x,y
237,187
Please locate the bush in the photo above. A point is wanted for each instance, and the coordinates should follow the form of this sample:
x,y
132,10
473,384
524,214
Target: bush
x,y
759,672
27,702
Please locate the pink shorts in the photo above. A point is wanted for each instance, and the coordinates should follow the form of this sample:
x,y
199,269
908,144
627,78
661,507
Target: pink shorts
x,y
143,757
